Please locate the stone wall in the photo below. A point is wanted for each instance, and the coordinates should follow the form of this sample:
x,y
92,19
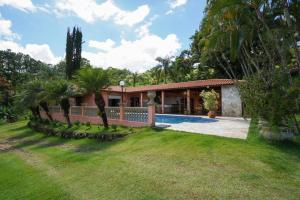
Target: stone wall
x,y
231,101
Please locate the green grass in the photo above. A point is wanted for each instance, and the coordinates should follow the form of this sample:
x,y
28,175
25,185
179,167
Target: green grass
x,y
93,129
149,164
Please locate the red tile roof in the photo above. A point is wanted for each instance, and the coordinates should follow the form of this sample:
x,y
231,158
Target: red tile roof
x,y
170,86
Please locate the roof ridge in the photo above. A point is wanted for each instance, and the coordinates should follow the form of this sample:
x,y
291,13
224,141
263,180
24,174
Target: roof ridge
x,y
178,85
216,79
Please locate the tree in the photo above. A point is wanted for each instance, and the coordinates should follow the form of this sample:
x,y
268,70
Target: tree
x,y
132,79
29,98
93,81
116,75
259,36
164,64
34,94
73,51
18,68
61,90
4,91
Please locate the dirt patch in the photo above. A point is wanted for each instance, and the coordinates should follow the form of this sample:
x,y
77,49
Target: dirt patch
x,y
5,147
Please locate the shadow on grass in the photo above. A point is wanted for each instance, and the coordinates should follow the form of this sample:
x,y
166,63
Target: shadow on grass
x,y
157,129
30,138
288,147
28,142
23,135
51,142
20,128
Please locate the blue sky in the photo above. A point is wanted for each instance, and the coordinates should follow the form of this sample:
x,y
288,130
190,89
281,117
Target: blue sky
x,y
124,34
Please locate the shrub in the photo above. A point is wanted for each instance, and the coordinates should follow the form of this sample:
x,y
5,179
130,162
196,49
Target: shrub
x,y
114,127
46,121
275,101
77,123
8,113
210,99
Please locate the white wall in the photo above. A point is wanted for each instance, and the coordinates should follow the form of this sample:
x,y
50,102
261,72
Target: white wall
x,y
231,101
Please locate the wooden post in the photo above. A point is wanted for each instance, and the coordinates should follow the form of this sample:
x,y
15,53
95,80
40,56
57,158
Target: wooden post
x,y
162,102
188,101
141,100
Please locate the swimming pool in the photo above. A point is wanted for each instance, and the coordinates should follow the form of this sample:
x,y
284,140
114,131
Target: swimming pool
x,y
176,119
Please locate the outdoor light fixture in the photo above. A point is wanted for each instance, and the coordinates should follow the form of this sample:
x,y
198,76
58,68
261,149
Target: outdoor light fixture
x,y
122,84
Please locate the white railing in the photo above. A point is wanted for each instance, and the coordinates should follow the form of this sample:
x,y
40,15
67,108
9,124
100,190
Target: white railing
x,y
136,114
91,111
54,109
112,112
76,110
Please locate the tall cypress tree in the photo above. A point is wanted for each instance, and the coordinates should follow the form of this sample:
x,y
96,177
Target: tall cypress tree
x,y
73,51
77,43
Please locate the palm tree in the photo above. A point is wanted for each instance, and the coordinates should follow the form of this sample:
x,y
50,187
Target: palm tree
x,y
164,65
93,81
134,77
29,97
154,75
61,90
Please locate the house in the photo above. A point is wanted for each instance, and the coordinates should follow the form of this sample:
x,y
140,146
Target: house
x,y
174,98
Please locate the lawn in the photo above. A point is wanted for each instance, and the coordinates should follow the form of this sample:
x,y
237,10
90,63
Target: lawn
x,y
147,164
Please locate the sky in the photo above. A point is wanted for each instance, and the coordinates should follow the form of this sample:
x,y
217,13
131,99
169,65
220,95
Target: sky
x,y
116,33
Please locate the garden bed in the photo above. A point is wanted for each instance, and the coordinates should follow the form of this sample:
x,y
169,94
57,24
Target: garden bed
x,y
78,131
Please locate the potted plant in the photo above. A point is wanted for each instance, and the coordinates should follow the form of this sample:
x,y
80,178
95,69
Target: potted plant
x,y
210,99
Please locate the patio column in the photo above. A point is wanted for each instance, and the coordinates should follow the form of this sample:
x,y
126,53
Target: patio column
x,y
151,108
122,111
141,100
188,101
162,102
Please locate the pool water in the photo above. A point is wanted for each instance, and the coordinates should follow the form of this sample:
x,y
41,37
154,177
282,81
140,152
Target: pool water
x,y
176,119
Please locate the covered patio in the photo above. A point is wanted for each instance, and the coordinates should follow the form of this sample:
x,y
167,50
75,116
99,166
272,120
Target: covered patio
x,y
179,98
175,101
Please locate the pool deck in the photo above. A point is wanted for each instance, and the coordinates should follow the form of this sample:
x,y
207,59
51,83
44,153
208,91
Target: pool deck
x,y
231,127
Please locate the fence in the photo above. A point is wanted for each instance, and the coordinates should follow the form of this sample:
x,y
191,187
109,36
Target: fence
x,y
127,116
138,114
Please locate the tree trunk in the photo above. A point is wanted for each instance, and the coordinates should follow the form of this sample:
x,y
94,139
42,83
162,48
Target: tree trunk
x,y
65,105
101,106
35,112
38,112
44,105
32,109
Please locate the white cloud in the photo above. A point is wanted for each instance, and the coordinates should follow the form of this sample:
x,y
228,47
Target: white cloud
x,y
175,4
138,55
90,11
143,30
24,5
5,26
5,30
104,46
8,41
40,52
